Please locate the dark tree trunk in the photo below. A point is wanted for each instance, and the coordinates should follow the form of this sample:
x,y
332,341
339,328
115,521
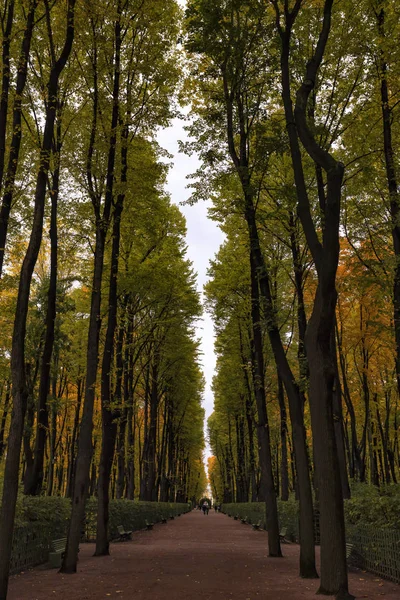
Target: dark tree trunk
x,y
250,421
71,466
129,416
85,448
9,179
234,102
4,418
19,388
318,336
295,399
53,436
284,472
356,459
148,488
263,434
34,476
162,460
7,18
298,271
119,364
338,420
391,175
109,414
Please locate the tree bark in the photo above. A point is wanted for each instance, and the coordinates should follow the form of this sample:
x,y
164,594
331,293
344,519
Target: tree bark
x,y
19,388
7,23
109,414
284,456
263,434
4,418
34,477
319,329
319,333
85,447
391,176
8,187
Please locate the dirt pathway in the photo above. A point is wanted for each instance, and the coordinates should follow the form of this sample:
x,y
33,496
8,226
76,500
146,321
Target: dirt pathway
x,y
195,557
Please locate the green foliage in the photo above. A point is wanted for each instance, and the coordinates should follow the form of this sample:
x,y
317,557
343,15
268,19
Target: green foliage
x,y
368,505
374,506
130,514
51,513
255,512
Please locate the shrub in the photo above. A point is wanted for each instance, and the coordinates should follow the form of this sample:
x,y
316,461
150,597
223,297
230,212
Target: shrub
x,y
375,506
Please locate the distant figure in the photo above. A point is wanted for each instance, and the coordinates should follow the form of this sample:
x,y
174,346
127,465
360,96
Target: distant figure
x,y
205,508
218,508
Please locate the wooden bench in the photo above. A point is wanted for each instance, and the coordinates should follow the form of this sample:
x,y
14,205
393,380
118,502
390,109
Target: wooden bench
x,y
236,517
171,517
244,520
149,526
256,526
124,535
282,534
349,549
164,520
57,554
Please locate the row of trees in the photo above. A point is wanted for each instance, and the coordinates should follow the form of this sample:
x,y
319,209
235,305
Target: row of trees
x,y
100,380
295,117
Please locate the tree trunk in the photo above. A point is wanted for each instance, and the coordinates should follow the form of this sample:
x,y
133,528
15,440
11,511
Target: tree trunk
x,y
318,336
9,180
34,477
295,399
4,418
284,457
7,19
338,420
263,434
71,470
85,449
19,389
148,490
109,414
391,175
249,419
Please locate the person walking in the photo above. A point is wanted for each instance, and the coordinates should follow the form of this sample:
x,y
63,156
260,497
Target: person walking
x,y
205,508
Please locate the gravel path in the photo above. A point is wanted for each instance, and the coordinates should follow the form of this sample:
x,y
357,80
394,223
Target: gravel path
x,y
194,557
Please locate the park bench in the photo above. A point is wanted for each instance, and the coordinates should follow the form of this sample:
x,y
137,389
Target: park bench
x,y
244,520
349,550
124,535
236,517
282,534
164,520
171,517
149,525
58,549
256,526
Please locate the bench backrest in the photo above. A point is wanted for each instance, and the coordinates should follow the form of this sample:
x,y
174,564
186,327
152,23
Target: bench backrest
x,y
349,548
283,531
59,545
121,530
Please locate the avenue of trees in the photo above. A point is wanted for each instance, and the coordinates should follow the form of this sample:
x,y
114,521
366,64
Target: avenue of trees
x,y
295,115
100,379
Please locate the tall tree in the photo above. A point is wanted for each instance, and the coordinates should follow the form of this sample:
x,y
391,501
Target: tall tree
x,y
19,383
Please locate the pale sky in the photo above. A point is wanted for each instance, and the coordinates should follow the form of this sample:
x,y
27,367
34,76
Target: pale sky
x,y
203,240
